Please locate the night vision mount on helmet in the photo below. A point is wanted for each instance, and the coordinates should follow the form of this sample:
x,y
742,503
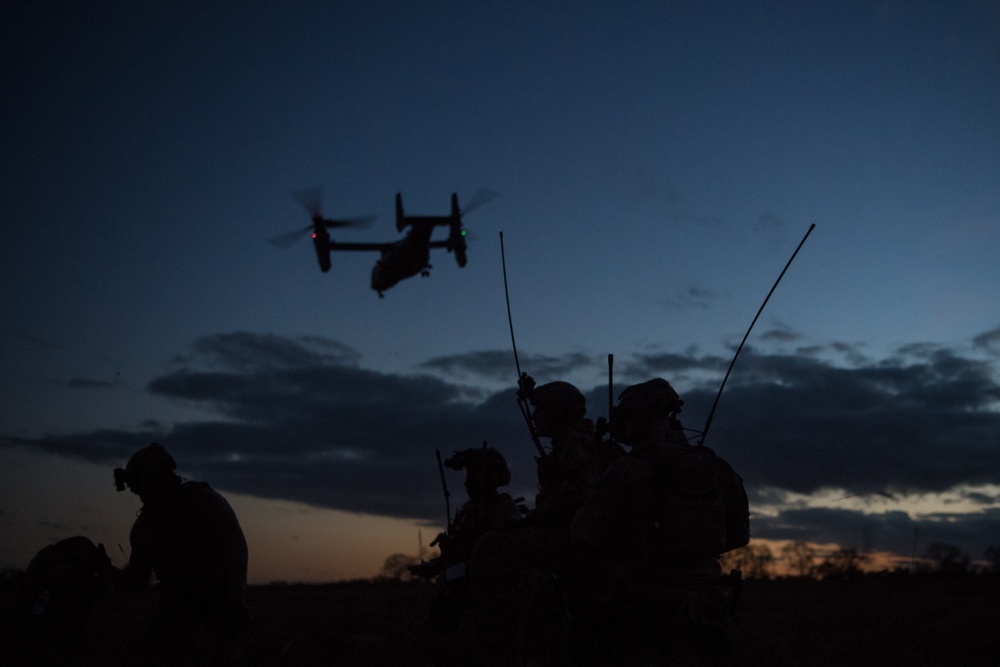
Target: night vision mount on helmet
x,y
484,461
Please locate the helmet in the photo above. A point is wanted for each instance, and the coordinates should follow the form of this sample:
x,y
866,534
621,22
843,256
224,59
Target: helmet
x,y
654,396
560,398
146,465
484,461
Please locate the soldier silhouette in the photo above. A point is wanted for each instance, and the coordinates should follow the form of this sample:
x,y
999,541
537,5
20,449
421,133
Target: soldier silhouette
x,y
654,529
517,573
486,509
189,537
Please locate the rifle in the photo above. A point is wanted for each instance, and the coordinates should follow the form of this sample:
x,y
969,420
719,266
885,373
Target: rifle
x,y
524,381
708,423
444,484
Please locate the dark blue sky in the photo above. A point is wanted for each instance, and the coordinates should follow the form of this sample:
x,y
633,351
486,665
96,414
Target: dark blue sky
x,y
656,167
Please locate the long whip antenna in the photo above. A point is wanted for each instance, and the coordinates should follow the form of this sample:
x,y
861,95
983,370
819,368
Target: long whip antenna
x,y
711,414
522,402
506,294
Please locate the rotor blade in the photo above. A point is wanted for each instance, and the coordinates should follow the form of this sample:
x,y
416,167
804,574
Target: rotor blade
x,y
311,200
363,222
288,239
481,198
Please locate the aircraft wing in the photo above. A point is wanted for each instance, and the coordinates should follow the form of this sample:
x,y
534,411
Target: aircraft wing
x,y
359,246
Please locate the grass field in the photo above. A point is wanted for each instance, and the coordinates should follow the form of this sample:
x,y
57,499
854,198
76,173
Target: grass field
x,y
905,621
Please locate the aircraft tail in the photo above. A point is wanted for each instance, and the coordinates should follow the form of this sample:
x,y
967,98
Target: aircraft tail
x,y
400,216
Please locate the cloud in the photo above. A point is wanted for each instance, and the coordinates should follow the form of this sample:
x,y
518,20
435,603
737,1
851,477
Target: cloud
x,y
780,336
690,297
989,341
852,353
243,351
896,531
802,424
487,364
299,418
499,365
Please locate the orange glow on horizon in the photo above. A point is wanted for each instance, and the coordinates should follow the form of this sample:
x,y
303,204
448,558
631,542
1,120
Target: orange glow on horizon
x,y
292,542
869,562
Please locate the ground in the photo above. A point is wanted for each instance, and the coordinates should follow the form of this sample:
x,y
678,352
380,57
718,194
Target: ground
x,y
874,621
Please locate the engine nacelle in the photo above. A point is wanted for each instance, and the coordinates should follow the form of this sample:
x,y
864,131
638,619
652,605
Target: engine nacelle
x,y
321,241
456,243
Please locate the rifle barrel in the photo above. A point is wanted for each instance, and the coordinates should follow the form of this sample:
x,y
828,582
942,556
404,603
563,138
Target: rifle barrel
x,y
447,494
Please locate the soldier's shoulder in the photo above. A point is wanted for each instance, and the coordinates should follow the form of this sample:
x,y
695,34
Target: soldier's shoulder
x,y
191,486
200,496
201,490
623,468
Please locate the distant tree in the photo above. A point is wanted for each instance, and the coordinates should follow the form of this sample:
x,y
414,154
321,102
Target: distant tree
x,y
395,567
992,555
753,560
729,560
844,562
948,559
800,557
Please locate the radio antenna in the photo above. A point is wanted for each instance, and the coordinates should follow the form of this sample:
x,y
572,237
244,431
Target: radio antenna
x,y
711,414
506,294
611,394
522,402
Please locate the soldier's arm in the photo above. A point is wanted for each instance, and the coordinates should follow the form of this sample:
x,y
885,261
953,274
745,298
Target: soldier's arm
x,y
502,513
136,574
595,525
579,474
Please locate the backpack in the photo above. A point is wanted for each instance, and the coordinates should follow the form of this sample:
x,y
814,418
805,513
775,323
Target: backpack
x,y
61,585
701,508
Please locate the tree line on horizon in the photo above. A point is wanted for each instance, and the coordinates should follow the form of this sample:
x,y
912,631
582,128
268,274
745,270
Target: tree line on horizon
x,y
796,559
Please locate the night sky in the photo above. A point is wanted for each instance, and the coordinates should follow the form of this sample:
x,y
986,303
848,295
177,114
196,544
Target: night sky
x,y
656,168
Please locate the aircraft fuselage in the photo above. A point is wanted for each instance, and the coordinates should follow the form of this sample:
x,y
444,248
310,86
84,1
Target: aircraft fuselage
x,y
404,258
